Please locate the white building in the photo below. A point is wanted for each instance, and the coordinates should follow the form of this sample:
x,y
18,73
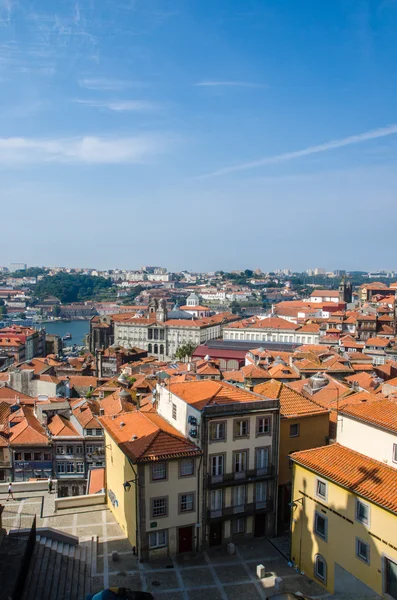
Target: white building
x,y
325,296
272,329
371,429
237,431
161,334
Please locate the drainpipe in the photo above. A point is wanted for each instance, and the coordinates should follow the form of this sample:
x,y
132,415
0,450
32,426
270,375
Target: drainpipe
x,y
198,532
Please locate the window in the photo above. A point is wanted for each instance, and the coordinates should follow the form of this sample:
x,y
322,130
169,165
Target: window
x,y
155,349
217,465
18,455
239,495
320,568
37,456
162,348
79,467
89,449
150,337
239,525
149,348
262,458
241,428
362,512
186,502
186,467
362,550
79,449
174,411
59,449
27,456
394,452
216,499
158,539
69,449
90,431
70,467
320,526
240,462
47,456
390,577
61,468
261,491
159,507
263,426
98,432
218,431
159,471
294,430
321,489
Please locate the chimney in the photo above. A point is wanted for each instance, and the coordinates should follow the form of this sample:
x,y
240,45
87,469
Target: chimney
x,y
138,401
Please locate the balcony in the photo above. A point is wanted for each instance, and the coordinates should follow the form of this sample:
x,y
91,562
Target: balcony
x,y
249,476
245,510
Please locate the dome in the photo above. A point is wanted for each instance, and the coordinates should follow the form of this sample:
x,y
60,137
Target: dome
x,y
125,395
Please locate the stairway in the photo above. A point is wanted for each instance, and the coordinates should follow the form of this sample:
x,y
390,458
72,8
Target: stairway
x,y
60,571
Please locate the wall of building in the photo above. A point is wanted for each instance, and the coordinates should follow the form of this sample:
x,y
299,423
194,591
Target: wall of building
x,y
165,400
171,488
339,550
121,503
367,439
313,432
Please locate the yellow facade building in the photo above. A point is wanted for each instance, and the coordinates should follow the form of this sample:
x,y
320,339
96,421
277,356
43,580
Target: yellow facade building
x,y
344,521
153,483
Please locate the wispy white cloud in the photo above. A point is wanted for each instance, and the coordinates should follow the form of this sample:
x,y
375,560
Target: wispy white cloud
x,y
107,84
83,150
229,84
373,134
122,105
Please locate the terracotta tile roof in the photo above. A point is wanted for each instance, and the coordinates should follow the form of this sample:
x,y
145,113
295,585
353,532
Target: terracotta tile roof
x,y
364,380
378,412
254,372
59,426
380,342
208,392
233,376
357,367
27,431
148,437
85,415
83,381
114,404
268,323
281,371
96,481
325,293
7,393
37,365
362,475
292,403
327,396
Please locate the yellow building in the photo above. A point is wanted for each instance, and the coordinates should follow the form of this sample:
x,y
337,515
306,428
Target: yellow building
x,y
303,425
153,483
344,521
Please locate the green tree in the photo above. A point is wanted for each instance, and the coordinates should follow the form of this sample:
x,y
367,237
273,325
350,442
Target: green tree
x,y
21,315
185,351
70,287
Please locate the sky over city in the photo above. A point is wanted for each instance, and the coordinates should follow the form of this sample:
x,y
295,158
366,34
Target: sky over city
x,y
199,134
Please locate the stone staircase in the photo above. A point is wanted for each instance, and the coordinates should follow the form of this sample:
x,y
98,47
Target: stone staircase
x,y
60,571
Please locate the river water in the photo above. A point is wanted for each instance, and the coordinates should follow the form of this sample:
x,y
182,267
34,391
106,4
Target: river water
x,y
78,329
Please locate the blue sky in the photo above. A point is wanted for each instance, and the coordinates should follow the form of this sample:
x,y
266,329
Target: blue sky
x,y
199,134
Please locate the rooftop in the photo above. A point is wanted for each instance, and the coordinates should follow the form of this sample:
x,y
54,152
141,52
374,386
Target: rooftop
x,y
381,412
356,472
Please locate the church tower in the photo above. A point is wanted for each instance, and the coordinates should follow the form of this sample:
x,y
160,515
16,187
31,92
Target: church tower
x,y
162,313
345,291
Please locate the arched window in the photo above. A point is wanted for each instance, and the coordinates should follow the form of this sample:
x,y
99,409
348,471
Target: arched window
x,y
149,348
320,568
155,349
161,349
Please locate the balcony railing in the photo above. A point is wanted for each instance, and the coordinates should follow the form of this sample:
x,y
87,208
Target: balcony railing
x,y
249,476
240,510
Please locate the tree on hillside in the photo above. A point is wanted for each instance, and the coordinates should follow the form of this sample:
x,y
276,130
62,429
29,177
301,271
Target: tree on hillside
x,y
71,287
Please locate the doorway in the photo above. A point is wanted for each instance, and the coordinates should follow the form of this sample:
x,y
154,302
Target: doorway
x,y
185,539
260,525
216,534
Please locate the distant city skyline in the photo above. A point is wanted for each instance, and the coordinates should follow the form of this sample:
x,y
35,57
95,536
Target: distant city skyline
x,y
204,133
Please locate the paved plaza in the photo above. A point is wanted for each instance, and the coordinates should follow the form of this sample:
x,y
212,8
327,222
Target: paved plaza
x,y
213,574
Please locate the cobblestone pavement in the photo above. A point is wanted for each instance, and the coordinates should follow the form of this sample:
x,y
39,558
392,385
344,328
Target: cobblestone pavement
x,y
213,574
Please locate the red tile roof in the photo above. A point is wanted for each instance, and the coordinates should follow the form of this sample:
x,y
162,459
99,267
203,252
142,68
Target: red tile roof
x,y
292,404
59,426
360,474
378,412
148,437
209,393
